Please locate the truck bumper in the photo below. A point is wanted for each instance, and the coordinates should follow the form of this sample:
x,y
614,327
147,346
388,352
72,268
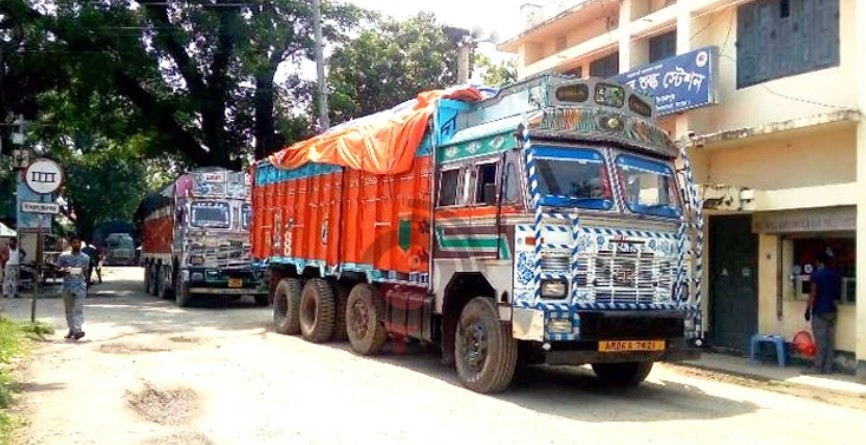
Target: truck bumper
x,y
584,352
226,291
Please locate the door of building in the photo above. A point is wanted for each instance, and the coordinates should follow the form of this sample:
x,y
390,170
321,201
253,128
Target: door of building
x,y
733,282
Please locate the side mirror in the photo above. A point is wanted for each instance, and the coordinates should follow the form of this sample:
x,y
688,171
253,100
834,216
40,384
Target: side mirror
x,y
490,194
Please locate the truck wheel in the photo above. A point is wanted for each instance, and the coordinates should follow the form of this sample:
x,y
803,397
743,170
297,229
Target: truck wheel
x,y
147,279
318,310
182,297
153,281
165,284
486,354
622,374
341,296
287,301
365,312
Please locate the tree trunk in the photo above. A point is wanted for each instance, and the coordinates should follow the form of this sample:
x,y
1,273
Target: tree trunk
x,y
267,139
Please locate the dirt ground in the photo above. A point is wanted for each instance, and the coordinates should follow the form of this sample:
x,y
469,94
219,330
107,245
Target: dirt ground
x,y
148,373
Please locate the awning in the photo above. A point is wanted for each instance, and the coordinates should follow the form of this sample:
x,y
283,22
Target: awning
x,y
6,232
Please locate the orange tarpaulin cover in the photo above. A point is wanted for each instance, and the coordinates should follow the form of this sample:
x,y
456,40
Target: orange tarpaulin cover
x,y
382,143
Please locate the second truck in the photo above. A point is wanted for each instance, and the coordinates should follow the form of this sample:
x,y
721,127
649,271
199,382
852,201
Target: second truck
x,y
195,238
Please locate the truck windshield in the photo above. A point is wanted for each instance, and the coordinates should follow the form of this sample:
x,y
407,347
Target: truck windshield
x,y
246,216
573,177
210,214
649,187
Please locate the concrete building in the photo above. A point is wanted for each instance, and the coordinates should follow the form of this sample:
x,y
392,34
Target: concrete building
x,y
777,138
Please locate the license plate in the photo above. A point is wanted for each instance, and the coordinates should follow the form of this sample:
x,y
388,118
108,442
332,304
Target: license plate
x,y
236,282
631,345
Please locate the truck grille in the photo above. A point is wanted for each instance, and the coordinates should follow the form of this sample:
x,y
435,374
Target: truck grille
x,y
625,278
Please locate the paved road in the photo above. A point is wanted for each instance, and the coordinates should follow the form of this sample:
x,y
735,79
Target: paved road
x,y
217,374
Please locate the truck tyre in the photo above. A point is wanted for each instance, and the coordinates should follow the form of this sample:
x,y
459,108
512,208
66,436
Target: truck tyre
x,y
622,374
182,297
287,302
365,314
341,296
147,278
318,311
165,285
486,354
153,281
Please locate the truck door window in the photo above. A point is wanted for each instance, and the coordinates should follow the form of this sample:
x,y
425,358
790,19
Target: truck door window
x,y
511,184
485,189
448,183
210,214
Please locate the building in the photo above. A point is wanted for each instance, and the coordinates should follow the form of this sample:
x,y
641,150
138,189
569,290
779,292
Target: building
x,y
766,92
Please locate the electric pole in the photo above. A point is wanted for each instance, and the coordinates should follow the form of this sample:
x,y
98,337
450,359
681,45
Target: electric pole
x,y
320,66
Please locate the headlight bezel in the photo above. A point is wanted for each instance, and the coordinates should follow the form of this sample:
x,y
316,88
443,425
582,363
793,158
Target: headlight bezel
x,y
559,291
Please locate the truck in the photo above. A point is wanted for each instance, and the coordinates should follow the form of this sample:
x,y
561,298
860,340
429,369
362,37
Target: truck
x,y
550,222
120,249
195,238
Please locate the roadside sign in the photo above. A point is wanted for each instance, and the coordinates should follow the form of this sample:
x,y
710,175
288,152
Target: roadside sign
x,y
43,176
49,208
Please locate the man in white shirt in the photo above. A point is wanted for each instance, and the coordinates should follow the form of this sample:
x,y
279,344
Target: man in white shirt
x,y
11,262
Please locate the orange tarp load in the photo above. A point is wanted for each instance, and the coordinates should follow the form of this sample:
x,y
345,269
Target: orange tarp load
x,y
382,143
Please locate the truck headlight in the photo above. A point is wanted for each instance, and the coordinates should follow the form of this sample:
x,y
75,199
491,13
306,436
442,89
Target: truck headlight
x,y
554,288
196,260
197,276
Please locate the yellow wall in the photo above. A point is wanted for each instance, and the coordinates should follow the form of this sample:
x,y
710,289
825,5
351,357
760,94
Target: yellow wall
x,y
811,159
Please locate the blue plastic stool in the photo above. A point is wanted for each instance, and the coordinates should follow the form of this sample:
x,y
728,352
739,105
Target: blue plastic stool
x,y
776,340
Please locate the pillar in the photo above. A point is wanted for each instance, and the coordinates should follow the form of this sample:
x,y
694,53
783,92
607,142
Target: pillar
x,y
860,58
624,32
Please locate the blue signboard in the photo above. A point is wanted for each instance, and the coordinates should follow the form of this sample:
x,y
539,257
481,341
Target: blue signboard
x,y
677,83
32,222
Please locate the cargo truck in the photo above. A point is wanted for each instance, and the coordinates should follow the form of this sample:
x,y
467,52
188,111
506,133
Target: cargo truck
x,y
546,223
195,238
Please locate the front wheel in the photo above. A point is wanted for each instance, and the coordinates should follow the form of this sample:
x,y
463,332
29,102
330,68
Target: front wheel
x,y
486,353
622,374
182,296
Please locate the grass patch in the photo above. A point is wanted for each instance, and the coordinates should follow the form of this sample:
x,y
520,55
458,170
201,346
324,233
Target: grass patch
x,y
14,344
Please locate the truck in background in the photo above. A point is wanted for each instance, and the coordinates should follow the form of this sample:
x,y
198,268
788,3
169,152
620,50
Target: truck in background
x,y
120,249
544,224
195,238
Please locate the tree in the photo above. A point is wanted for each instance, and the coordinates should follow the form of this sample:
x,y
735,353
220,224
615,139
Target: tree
x,y
103,185
388,63
496,74
197,78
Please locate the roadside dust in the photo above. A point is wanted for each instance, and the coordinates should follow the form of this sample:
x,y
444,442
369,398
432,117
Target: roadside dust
x,y
128,348
821,394
164,406
185,339
182,438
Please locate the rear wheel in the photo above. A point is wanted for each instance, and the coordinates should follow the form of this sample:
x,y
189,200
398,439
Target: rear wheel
x,y
287,299
365,313
622,374
318,310
147,278
341,296
165,285
182,297
486,354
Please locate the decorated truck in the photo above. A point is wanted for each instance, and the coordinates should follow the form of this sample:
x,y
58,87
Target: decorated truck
x,y
544,223
195,238
120,249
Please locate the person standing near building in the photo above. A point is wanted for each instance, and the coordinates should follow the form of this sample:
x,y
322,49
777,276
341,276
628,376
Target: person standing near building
x,y
74,265
821,309
11,259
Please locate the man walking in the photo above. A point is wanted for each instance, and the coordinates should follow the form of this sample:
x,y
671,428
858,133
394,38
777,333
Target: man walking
x,y
822,311
74,265
11,258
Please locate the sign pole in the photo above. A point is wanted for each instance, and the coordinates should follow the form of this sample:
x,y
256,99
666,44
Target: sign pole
x,y
37,278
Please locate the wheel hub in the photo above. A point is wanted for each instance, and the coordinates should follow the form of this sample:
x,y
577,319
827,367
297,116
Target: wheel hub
x,y
359,319
475,346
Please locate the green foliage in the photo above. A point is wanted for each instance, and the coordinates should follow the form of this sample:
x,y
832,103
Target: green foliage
x,y
13,344
388,63
103,184
496,74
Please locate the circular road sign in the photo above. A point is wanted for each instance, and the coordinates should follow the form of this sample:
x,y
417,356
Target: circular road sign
x,y
43,176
